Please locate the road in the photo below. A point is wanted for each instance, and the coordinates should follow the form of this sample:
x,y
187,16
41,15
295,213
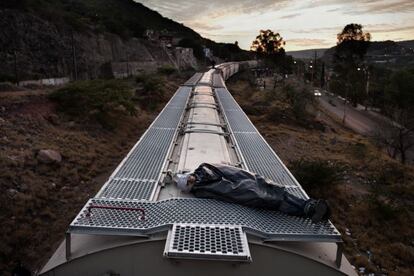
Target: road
x,y
362,121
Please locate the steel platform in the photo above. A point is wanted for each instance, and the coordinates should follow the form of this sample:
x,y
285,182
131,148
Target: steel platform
x,y
209,242
140,218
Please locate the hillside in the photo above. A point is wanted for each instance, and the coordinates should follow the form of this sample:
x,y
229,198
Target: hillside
x,y
87,39
306,54
123,17
381,52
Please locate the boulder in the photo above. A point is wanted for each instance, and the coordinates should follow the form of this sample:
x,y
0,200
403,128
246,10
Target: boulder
x,y
12,192
49,156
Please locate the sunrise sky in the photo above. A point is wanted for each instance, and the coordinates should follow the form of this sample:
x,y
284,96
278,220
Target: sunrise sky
x,y
303,24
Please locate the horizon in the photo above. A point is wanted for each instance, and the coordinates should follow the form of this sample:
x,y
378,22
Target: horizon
x,y
304,26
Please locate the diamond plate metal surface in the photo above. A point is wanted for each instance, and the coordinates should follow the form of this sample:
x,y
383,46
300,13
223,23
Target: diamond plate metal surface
x,y
138,174
213,242
162,214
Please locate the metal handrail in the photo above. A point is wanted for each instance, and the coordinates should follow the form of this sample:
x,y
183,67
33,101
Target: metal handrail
x,y
90,207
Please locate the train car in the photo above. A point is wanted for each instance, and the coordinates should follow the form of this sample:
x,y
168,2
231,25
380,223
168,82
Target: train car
x,y
139,223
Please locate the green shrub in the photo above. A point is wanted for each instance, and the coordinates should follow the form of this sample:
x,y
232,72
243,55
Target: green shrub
x,y
392,173
298,99
98,99
150,82
385,210
316,174
166,70
152,91
359,150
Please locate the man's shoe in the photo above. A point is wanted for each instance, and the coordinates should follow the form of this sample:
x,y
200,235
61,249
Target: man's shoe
x,y
317,210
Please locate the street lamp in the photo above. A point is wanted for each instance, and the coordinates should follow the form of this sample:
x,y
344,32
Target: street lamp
x,y
311,67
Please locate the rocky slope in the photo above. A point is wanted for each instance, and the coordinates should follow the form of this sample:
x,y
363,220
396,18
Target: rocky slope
x,y
32,48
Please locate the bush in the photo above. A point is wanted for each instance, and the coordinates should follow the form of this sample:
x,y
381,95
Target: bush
x,y
298,100
359,150
150,83
166,70
152,92
390,174
384,210
316,174
98,99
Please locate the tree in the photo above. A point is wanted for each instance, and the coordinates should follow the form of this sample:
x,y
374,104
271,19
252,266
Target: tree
x,y
268,42
351,48
269,46
399,93
353,32
398,135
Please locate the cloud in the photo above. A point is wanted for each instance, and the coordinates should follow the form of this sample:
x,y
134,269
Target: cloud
x,y
308,42
189,10
289,16
318,20
388,28
358,7
205,26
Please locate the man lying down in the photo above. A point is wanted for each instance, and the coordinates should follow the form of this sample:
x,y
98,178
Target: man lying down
x,y
235,185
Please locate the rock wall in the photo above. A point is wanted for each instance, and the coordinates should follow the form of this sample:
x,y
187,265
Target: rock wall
x,y
33,48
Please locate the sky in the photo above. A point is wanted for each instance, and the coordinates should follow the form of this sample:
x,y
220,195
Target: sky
x,y
302,24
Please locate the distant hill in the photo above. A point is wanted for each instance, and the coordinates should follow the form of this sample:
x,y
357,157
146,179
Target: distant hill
x,y
376,48
392,54
307,54
388,53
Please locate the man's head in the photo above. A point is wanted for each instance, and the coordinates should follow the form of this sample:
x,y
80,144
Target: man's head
x,y
185,181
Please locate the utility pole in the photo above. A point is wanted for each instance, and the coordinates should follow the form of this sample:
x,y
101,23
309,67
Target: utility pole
x,y
314,67
323,75
127,62
367,87
16,75
75,65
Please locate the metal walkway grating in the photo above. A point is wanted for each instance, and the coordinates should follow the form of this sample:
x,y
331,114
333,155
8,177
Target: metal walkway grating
x,y
218,81
212,242
159,216
128,188
194,79
257,154
145,161
138,174
261,159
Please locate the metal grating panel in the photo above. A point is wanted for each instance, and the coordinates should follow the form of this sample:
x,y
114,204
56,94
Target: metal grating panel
x,y
261,159
162,214
128,189
146,160
258,155
218,81
212,242
194,79
207,77
137,175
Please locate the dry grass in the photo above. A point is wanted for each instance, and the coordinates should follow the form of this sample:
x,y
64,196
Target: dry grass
x,y
374,199
38,201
